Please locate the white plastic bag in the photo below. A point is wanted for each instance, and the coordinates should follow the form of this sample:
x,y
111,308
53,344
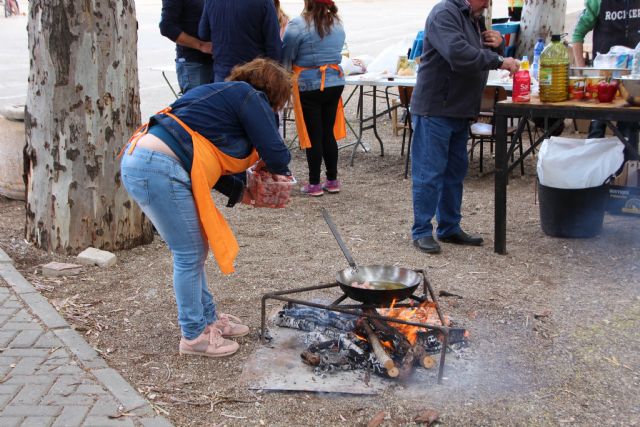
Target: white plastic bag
x,y
578,163
387,61
352,66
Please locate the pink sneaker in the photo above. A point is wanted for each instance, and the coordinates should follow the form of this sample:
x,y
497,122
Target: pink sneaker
x,y
331,186
209,344
230,326
314,190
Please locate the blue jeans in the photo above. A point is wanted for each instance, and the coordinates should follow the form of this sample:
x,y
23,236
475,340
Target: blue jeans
x,y
192,74
162,188
438,167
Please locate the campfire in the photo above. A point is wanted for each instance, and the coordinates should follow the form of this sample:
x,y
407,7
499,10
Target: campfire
x,y
390,341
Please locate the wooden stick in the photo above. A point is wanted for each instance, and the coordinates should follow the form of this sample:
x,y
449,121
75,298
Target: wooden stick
x,y
379,351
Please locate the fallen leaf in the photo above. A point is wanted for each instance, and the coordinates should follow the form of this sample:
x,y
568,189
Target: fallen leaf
x,y
376,420
428,417
544,313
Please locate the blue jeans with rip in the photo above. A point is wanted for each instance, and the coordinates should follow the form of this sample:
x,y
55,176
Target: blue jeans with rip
x,y
162,188
438,167
192,74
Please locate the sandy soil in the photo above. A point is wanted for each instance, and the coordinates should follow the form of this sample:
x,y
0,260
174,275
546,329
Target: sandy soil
x,y
554,324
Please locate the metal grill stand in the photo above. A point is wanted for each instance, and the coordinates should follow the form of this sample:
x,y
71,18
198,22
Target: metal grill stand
x,y
361,310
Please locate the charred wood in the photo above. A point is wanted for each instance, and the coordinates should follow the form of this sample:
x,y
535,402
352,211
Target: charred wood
x,y
379,351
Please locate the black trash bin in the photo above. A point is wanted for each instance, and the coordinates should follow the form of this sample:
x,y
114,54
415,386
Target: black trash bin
x,y
572,213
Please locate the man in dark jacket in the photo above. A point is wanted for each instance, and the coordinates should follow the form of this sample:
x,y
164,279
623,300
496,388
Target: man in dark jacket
x,y
457,56
179,23
240,31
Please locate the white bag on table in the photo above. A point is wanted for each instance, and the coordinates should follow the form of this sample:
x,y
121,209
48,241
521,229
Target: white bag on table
x,y
578,163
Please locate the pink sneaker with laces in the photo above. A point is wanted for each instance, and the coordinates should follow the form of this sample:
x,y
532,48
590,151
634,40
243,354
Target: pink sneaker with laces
x,y
314,190
209,344
331,186
229,326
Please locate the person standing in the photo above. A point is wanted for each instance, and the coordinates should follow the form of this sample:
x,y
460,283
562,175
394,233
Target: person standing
x,y
179,23
240,31
169,167
311,47
457,55
614,23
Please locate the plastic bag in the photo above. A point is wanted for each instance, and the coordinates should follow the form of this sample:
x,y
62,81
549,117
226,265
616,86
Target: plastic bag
x,y
387,61
352,66
578,163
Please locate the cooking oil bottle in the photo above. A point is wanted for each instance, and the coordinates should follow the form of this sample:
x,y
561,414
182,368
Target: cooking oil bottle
x,y
553,75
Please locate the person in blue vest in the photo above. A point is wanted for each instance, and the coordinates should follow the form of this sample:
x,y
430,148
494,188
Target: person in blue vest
x,y
457,55
240,31
179,23
614,23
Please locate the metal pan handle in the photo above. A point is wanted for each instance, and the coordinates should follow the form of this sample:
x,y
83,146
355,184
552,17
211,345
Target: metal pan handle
x,y
343,247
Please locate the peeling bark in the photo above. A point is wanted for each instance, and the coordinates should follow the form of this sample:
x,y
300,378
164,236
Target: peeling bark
x,y
540,18
83,81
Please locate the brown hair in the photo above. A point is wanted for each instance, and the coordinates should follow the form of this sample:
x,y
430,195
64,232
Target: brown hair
x,y
323,16
283,18
267,76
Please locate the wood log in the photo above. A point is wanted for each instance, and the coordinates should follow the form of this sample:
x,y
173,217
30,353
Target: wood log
x,y
379,351
418,355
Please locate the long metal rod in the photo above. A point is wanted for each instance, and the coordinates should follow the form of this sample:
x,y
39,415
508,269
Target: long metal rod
x,y
334,230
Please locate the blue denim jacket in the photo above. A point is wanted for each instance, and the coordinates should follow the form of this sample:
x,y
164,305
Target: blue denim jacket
x,y
303,46
234,116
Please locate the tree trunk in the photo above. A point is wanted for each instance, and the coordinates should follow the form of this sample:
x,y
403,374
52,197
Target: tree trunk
x,y
83,103
540,18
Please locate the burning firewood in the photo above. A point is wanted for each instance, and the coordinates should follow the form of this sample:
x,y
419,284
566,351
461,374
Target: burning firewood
x,y
412,354
380,352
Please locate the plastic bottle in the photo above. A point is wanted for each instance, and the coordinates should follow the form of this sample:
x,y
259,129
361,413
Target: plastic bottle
x,y
522,83
345,50
537,51
553,75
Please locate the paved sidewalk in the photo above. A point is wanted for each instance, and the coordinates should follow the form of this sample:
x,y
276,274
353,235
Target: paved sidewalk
x,y
49,375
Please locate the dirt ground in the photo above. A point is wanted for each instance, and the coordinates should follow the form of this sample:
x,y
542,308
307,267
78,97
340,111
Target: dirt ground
x,y
554,324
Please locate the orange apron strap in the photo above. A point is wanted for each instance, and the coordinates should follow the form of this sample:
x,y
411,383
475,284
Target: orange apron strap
x,y
216,229
139,133
301,126
340,125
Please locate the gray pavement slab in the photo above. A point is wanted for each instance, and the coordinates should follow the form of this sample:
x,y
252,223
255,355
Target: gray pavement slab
x,y
49,375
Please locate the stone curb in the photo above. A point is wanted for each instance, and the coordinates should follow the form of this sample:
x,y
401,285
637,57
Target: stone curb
x,y
131,400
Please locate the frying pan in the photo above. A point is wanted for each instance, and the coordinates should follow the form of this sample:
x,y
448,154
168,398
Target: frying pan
x,y
408,278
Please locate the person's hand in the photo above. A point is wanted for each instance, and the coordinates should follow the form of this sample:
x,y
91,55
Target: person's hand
x,y
511,65
206,47
492,38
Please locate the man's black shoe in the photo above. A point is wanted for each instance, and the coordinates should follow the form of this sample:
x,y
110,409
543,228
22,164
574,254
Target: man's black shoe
x,y
427,244
462,238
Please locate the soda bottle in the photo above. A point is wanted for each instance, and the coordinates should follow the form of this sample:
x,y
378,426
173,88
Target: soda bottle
x,y
553,75
522,83
537,51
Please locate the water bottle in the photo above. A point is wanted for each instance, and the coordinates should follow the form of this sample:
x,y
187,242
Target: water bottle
x,y
537,51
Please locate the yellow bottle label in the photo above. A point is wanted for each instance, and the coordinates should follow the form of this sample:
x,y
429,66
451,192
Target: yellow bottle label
x,y
545,76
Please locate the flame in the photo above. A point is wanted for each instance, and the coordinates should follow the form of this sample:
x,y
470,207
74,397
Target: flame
x,y
425,313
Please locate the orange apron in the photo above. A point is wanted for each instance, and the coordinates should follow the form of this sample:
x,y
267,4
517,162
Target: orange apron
x,y
340,125
209,164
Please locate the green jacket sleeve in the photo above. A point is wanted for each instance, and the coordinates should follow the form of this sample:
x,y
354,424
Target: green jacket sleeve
x,y
587,20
